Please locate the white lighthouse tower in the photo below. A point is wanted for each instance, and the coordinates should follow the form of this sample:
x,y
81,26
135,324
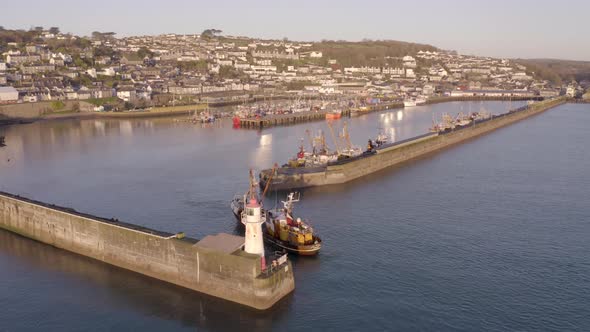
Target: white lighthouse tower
x,y
252,218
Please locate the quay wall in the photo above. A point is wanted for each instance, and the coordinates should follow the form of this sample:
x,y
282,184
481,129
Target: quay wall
x,y
235,277
346,171
36,110
437,100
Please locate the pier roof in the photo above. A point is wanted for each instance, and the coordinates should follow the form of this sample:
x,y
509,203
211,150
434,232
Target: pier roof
x,y
223,242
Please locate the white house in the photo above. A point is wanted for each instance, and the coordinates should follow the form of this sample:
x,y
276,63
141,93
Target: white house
x,y
8,94
351,70
393,71
110,71
570,91
126,94
314,54
409,61
91,72
264,69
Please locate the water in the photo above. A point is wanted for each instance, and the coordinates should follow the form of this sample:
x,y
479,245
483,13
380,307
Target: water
x,y
488,235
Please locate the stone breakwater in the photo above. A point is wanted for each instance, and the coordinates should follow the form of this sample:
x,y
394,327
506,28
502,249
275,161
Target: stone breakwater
x,y
288,178
215,265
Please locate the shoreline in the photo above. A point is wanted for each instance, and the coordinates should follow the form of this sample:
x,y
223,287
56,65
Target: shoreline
x,y
187,109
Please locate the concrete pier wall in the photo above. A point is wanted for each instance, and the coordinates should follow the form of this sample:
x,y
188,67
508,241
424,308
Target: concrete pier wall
x,y
233,276
347,171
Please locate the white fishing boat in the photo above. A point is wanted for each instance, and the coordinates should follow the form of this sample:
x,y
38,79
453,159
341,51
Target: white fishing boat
x,y
409,102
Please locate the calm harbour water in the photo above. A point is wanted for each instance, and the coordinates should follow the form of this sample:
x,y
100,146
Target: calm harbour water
x,y
488,235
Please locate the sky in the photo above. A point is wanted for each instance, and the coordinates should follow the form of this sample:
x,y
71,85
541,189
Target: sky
x,y
501,28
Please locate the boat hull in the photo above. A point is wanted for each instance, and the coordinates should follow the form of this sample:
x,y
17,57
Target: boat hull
x,y
303,250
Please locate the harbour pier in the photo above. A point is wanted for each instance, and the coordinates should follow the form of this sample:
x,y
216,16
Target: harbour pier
x,y
216,265
288,178
293,118
285,119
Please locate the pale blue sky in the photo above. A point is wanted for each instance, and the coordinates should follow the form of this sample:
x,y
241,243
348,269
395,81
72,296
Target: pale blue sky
x,y
526,28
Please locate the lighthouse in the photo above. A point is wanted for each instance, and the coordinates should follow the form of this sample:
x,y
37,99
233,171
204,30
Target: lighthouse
x,y
252,219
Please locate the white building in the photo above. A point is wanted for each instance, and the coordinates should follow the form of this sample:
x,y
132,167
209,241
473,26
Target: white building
x,y
393,71
126,94
91,72
315,54
351,70
2,66
409,61
18,59
570,91
8,94
264,69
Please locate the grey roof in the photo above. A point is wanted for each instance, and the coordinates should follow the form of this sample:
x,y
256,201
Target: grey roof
x,y
223,242
7,89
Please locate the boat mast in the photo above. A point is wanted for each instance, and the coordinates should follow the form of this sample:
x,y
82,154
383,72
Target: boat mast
x,y
346,136
274,169
334,137
310,140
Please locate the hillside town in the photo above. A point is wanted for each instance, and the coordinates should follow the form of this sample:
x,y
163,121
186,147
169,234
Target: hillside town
x,y
142,71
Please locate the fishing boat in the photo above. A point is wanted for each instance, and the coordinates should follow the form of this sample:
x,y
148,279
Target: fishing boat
x,y
381,139
335,114
319,154
236,121
287,232
409,102
348,150
280,228
206,117
420,100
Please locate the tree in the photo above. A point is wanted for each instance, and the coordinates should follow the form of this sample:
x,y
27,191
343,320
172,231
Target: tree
x,y
144,51
103,35
109,35
200,65
103,50
54,30
228,72
210,33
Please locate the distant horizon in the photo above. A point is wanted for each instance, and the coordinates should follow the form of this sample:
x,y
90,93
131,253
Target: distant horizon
x,y
526,29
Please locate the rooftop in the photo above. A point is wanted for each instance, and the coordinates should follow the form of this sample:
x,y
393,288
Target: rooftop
x,y
223,242
7,89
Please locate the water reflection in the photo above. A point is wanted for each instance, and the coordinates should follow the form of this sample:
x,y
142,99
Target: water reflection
x,y
49,140
150,296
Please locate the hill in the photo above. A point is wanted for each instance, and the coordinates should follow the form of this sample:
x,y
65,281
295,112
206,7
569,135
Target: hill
x,y
368,53
557,70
